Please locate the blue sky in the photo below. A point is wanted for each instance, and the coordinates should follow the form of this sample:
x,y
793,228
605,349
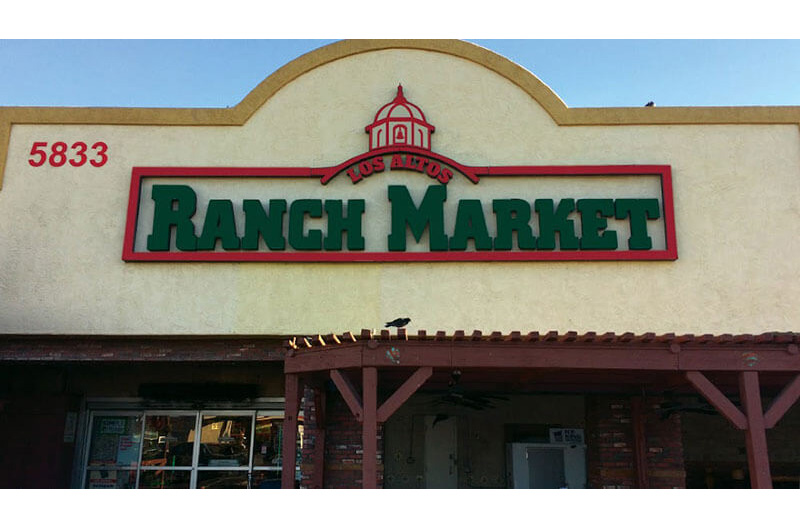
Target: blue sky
x,y
219,73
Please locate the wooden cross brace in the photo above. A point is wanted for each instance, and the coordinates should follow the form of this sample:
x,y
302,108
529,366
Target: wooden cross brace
x,y
355,403
782,403
752,419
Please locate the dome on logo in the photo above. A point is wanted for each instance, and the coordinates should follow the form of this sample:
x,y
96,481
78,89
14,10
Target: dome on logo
x,y
400,123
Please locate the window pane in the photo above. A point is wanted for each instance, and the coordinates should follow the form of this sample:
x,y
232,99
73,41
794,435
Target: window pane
x,y
113,478
221,479
268,449
164,479
267,479
168,440
269,431
225,441
115,440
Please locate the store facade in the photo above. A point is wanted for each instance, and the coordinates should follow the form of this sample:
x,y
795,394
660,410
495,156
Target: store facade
x,y
597,297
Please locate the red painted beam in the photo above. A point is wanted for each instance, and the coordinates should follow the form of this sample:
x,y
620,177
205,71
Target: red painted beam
x,y
401,395
369,434
289,448
765,357
139,349
566,355
782,403
317,359
436,354
496,354
715,397
529,353
755,434
349,393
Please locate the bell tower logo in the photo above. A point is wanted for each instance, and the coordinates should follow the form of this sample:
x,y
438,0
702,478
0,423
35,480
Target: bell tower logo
x,y
400,139
400,124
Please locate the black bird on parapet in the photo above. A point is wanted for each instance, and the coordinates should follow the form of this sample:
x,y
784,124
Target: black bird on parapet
x,y
399,322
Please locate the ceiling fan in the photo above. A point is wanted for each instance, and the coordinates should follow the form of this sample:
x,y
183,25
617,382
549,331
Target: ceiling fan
x,y
457,395
696,405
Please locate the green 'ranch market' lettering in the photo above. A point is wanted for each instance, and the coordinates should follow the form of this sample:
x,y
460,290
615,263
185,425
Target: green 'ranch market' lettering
x,y
176,206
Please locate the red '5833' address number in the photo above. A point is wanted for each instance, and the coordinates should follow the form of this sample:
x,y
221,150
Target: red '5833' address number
x,y
76,154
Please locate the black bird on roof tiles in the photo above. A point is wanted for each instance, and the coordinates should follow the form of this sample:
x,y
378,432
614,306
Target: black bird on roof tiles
x,y
399,322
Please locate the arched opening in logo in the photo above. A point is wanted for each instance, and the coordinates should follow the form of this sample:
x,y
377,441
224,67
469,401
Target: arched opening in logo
x,y
399,135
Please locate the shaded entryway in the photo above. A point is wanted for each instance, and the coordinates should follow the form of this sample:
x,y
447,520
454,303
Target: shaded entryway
x,y
376,375
437,441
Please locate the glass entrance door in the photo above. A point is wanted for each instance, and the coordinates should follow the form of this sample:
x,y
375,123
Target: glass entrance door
x,y
185,449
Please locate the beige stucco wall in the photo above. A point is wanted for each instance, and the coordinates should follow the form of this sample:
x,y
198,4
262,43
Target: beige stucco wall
x,y
737,210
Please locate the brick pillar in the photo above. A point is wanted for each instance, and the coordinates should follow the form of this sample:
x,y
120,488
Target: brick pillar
x,y
609,439
664,447
342,445
610,445
309,438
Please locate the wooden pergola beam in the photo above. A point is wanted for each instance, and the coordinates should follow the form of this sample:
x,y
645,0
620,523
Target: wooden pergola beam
x,y
349,393
715,397
540,354
782,403
401,395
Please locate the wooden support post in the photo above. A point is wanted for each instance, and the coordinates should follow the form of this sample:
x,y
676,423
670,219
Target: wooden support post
x,y
369,436
639,442
318,477
782,403
755,434
289,451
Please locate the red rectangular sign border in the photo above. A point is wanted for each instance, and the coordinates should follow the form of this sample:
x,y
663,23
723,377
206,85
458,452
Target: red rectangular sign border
x,y
663,171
